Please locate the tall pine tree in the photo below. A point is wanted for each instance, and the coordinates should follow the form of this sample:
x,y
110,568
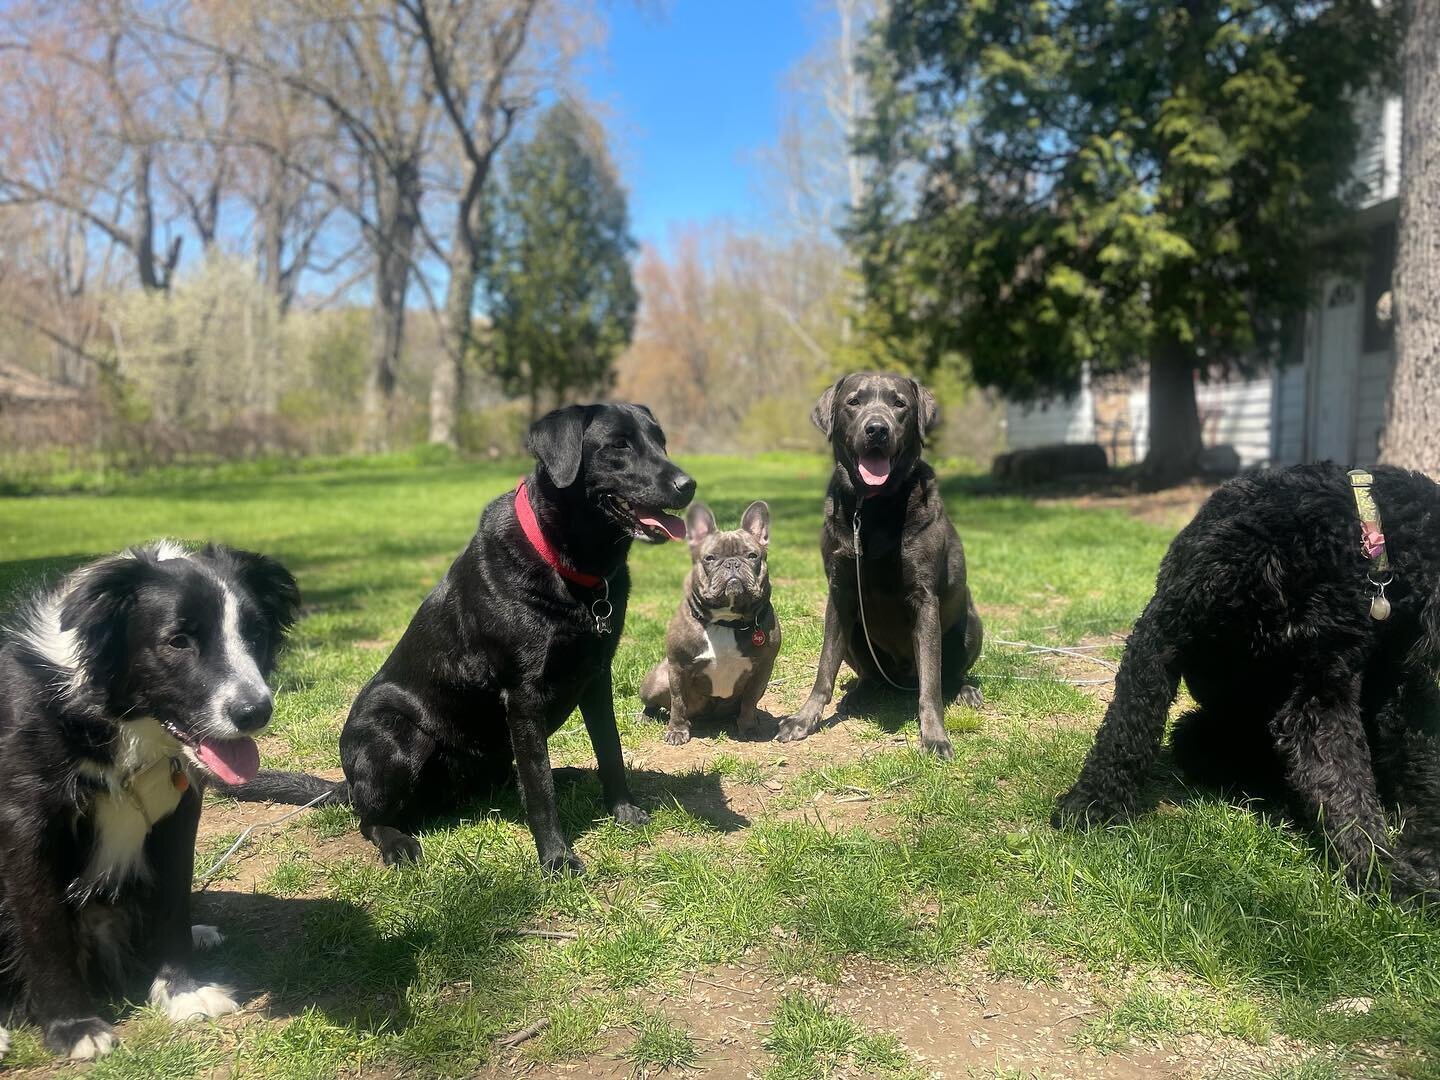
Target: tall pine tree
x,y
562,299
1114,182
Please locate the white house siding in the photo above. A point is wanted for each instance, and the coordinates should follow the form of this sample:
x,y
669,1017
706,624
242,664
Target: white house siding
x,y
1372,392
1232,411
1377,165
1287,411
1051,420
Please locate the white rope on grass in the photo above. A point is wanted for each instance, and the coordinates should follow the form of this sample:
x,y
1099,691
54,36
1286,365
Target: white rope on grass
x,y
239,840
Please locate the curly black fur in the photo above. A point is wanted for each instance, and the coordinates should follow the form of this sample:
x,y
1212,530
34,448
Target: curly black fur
x,y
1262,605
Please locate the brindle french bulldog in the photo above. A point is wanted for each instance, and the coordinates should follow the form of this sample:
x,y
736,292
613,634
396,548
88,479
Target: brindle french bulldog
x,y
722,643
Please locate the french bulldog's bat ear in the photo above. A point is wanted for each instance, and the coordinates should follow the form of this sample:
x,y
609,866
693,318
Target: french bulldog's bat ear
x,y
929,410
557,441
699,524
823,415
756,520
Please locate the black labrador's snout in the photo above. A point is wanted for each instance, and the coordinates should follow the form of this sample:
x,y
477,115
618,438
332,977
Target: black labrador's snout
x,y
684,486
877,431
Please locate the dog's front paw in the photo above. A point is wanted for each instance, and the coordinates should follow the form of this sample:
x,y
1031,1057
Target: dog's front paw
x,y
80,1040
562,864
1078,809
970,697
206,937
396,848
939,745
800,726
630,814
187,1001
677,736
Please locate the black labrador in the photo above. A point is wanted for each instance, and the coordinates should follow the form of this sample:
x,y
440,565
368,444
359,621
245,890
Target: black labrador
x,y
892,558
521,630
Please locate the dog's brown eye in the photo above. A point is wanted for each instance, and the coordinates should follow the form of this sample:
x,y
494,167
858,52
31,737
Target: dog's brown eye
x,y
754,555
620,444
181,641
710,558
854,401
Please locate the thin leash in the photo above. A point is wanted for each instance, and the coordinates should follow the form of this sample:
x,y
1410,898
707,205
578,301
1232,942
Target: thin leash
x,y
860,595
239,840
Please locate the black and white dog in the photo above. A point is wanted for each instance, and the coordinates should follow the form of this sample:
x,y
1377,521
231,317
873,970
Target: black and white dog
x,y
520,631
121,692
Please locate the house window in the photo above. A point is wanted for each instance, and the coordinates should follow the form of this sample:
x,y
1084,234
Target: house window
x,y
1379,270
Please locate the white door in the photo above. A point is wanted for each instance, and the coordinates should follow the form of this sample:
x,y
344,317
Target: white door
x,y
1332,412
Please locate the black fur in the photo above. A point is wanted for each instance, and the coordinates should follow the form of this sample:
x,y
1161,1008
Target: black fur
x,y
131,644
1262,605
917,603
503,650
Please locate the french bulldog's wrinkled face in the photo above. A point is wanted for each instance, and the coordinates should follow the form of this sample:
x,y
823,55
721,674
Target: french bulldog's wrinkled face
x,y
730,569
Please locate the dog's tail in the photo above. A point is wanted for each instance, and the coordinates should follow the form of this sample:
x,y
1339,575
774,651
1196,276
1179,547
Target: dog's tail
x,y
290,788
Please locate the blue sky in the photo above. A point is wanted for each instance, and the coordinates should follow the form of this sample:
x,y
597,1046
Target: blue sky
x,y
690,93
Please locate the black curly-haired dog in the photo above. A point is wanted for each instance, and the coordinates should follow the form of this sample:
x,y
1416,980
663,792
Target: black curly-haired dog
x,y
1263,606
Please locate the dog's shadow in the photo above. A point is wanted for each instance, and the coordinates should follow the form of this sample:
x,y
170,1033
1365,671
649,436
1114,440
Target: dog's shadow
x,y
577,790
709,726
320,953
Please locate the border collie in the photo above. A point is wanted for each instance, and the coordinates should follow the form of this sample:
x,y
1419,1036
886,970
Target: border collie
x,y
121,692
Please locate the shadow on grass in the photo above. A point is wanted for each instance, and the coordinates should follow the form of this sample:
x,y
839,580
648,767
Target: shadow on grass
x,y
323,953
20,577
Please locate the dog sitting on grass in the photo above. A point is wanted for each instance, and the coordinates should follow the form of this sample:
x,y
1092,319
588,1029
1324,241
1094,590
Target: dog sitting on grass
x,y
122,692
1310,642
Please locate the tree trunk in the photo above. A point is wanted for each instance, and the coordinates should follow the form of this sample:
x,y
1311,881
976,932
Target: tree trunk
x,y
1174,417
1412,430
398,219
447,383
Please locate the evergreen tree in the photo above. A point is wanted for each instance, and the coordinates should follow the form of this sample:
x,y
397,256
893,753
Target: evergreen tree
x,y
562,299
1117,182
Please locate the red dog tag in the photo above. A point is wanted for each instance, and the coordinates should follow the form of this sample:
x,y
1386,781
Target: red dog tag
x,y
757,638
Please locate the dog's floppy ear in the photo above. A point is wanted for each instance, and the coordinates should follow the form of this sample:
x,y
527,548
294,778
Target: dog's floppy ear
x,y
97,610
557,441
929,410
756,520
270,584
823,415
699,523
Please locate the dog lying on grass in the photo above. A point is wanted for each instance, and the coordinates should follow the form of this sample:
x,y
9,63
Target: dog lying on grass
x,y
121,692
1263,606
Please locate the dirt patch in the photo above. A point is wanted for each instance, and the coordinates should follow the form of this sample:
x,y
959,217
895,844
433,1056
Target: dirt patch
x,y
953,1027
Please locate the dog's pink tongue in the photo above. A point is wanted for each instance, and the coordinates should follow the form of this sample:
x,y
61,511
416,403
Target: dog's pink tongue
x,y
233,760
667,523
874,469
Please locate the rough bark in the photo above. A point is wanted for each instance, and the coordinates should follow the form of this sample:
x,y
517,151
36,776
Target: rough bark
x,y
1174,417
396,226
1412,430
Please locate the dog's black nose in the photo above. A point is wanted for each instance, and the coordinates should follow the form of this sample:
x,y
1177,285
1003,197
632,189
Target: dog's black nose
x,y
250,712
684,489
877,431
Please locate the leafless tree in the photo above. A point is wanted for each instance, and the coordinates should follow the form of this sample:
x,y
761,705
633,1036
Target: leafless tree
x,y
488,61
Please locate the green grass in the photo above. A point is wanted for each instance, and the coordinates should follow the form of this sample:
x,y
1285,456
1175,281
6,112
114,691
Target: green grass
x,y
1203,918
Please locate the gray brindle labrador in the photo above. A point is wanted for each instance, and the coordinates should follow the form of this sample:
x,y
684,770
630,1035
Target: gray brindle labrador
x,y
721,644
924,631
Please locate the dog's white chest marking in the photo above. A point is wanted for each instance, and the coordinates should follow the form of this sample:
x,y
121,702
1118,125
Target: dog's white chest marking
x,y
725,665
139,791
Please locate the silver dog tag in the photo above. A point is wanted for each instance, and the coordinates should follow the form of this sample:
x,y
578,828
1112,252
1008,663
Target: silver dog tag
x,y
1379,608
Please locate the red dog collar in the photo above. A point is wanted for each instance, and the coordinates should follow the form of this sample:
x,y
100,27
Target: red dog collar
x,y
531,528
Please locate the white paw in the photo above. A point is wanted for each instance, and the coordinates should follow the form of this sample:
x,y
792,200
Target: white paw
x,y
201,1002
206,937
4,1042
90,1047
